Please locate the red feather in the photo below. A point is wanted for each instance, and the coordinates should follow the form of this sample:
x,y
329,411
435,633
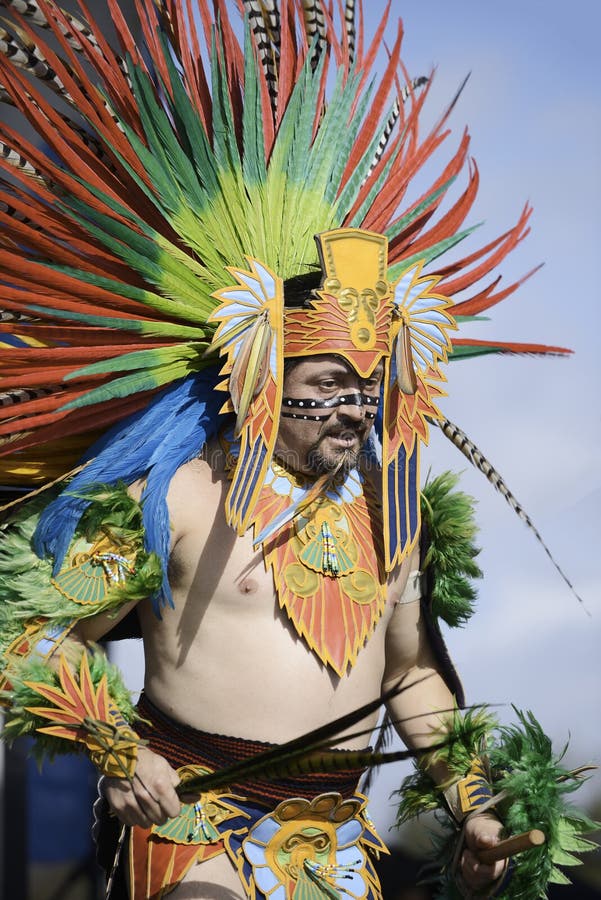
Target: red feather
x,y
87,419
505,245
512,347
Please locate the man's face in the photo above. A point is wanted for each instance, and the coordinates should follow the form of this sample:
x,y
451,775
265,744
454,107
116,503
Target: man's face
x,y
327,414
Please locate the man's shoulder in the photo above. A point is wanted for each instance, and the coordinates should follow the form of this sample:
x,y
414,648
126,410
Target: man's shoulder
x,y
405,574
197,485
205,469
189,476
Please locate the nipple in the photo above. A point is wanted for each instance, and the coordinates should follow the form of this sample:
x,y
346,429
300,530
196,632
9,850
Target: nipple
x,y
248,586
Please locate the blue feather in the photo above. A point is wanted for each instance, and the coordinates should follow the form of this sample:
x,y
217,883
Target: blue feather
x,y
152,443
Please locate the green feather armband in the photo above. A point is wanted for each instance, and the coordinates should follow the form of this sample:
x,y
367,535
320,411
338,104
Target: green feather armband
x,y
80,709
67,708
526,786
105,567
449,563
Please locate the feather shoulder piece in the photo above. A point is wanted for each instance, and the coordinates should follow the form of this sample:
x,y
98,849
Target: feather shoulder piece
x,y
106,566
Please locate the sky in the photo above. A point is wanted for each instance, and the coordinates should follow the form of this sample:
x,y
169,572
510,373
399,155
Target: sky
x,y
532,107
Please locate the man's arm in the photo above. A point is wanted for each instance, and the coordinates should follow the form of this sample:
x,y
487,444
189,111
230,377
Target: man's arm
x,y
418,713
55,682
149,797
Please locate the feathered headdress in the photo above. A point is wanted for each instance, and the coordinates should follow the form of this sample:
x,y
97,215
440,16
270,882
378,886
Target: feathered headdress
x,y
362,318
186,152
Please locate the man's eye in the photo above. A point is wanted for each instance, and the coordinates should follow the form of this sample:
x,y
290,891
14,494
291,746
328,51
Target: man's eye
x,y
328,385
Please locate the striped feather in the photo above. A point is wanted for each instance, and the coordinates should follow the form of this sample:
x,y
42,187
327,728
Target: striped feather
x,y
15,398
350,29
16,160
76,32
5,96
30,9
477,459
10,316
13,213
393,118
271,16
264,23
24,52
315,28
309,753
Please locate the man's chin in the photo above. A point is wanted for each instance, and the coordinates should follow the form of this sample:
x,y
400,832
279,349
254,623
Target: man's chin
x,y
343,460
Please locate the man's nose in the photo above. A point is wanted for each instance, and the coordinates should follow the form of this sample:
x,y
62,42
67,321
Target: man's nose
x,y
351,407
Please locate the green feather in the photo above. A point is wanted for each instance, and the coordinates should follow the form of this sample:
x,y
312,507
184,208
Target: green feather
x,y
299,146
466,352
254,167
144,380
189,126
449,562
165,148
225,147
338,128
343,131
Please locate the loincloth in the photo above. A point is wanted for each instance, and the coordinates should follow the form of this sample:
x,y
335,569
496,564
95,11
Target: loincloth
x,y
310,834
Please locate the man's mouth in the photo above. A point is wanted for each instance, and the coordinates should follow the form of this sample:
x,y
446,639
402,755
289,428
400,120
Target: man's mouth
x,y
344,438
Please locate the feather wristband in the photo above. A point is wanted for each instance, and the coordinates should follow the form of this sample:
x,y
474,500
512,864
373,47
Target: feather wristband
x,y
529,788
83,711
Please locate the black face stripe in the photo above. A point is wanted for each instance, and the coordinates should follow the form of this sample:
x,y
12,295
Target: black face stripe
x,y
308,418
342,400
307,405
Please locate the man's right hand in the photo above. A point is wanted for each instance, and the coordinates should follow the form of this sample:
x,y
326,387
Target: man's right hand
x,y
150,797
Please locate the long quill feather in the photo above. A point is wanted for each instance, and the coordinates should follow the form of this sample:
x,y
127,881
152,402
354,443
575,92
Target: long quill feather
x,y
469,449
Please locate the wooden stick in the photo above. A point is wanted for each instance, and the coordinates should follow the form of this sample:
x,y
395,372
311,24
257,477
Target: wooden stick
x,y
512,845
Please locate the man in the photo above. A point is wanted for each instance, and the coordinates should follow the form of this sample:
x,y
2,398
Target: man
x,y
185,206
225,658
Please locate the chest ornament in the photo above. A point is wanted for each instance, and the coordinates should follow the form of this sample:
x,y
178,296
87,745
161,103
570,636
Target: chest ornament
x,y
326,562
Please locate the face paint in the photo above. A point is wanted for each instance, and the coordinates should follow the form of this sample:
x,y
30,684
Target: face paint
x,y
305,408
327,414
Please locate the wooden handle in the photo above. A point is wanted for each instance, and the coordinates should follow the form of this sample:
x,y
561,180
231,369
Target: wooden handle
x,y
512,845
